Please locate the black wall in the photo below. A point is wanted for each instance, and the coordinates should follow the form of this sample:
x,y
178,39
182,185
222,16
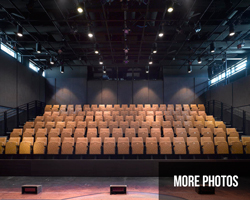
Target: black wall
x,y
18,83
72,87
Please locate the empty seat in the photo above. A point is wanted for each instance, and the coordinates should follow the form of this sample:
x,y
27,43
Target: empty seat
x,y
79,132
28,125
165,145
66,132
151,145
207,145
104,132
54,145
181,132
155,124
109,145
219,132
41,132
156,132
91,132
40,145
25,148
210,124
95,146
139,119
79,118
220,124
246,143
81,124
168,132
60,125
116,133
166,124
207,132
231,132
179,145
124,114
137,145
146,125
3,140
92,124
193,145
177,124
81,145
102,124
38,119
54,132
135,125
130,132
221,145
194,132
150,119
28,139
123,145
123,125
119,118
143,133
235,145
129,118
49,125
71,124
98,119
67,145
199,125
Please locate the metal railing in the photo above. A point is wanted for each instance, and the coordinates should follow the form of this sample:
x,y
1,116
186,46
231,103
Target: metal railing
x,y
14,117
232,116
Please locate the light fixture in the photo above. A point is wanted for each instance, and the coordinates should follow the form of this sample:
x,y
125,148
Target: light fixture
x,y
190,69
126,49
80,8
126,61
212,47
51,60
155,48
231,30
100,61
150,62
147,69
198,28
104,70
38,48
199,60
126,30
62,69
90,33
161,33
19,31
96,49
171,8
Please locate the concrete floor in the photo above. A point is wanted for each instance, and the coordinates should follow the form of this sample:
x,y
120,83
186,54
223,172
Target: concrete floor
x,y
81,188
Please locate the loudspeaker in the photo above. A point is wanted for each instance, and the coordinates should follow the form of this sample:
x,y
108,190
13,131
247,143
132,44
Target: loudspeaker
x,y
118,189
31,189
205,190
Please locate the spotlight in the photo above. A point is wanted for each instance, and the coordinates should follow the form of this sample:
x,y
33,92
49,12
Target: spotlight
x,y
161,33
231,30
126,31
19,31
126,49
62,69
147,69
171,8
155,48
80,8
38,48
104,70
199,60
150,61
100,61
96,49
190,69
90,33
51,61
212,47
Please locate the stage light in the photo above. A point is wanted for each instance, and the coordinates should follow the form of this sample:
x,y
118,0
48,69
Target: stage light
x,y
38,48
104,70
171,8
155,48
19,31
212,47
51,61
80,8
100,61
161,33
90,33
231,30
150,61
126,49
199,60
190,69
147,69
96,49
62,69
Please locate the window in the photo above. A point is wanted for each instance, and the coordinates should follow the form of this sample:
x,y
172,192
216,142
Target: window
x,y
230,71
33,67
8,50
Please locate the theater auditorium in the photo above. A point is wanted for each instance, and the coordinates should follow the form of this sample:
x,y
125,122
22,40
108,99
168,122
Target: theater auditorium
x,y
116,99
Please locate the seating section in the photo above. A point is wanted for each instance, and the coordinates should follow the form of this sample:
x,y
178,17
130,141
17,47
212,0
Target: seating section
x,y
123,130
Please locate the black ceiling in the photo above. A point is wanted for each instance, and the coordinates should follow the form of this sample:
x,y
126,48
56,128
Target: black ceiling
x,y
57,25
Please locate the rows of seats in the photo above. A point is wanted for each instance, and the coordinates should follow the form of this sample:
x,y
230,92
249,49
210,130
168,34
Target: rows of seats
x,y
70,126
127,145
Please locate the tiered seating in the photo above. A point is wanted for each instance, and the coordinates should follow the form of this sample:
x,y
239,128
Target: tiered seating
x,y
126,129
